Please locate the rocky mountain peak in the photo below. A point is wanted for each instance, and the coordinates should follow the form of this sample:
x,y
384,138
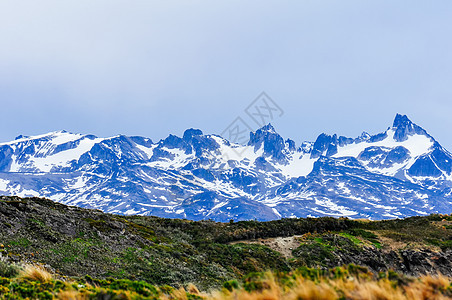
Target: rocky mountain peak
x,y
403,128
268,138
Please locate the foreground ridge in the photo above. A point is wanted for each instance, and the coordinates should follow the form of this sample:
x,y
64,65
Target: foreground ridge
x,y
72,242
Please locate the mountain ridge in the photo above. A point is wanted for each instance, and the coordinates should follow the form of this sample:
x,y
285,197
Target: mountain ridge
x,y
400,172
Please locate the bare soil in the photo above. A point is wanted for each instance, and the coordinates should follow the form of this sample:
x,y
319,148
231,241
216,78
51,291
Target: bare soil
x,y
283,245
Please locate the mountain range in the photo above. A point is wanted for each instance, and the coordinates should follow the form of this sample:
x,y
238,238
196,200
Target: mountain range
x,y
400,172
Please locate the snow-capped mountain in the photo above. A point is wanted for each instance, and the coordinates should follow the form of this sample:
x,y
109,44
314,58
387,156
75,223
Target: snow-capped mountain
x,y
400,172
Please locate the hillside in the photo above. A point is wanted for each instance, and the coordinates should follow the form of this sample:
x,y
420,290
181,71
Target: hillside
x,y
72,242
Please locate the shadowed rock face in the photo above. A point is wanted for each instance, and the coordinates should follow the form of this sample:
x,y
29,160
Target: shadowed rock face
x,y
400,172
324,145
272,143
408,261
404,127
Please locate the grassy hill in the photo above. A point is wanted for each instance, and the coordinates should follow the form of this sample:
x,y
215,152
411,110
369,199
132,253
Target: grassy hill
x,y
72,242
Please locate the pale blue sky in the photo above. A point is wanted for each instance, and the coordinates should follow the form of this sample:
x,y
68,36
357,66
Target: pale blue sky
x,y
157,67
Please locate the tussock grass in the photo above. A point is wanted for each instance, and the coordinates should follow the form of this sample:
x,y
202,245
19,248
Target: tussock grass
x,y
353,288
35,273
71,295
349,282
425,288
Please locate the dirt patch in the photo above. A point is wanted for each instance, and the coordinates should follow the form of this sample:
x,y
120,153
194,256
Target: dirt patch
x,y
283,245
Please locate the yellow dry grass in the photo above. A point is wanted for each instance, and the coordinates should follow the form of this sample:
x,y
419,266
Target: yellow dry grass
x,y
350,288
71,295
35,273
428,287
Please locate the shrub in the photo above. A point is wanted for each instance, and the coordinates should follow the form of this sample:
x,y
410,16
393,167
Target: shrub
x,y
8,269
231,285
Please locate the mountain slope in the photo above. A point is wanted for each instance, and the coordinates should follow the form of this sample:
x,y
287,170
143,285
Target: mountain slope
x,y
75,242
400,172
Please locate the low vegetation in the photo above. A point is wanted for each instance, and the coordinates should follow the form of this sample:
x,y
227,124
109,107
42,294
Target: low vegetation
x,y
349,282
89,252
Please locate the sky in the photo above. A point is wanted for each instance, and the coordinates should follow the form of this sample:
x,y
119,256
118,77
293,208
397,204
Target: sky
x,y
152,68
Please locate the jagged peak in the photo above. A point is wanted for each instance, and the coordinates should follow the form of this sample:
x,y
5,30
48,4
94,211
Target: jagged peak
x,y
325,144
268,128
401,120
404,127
170,139
191,132
270,140
262,134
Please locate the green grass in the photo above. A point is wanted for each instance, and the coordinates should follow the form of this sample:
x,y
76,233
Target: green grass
x,y
367,235
355,240
20,242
